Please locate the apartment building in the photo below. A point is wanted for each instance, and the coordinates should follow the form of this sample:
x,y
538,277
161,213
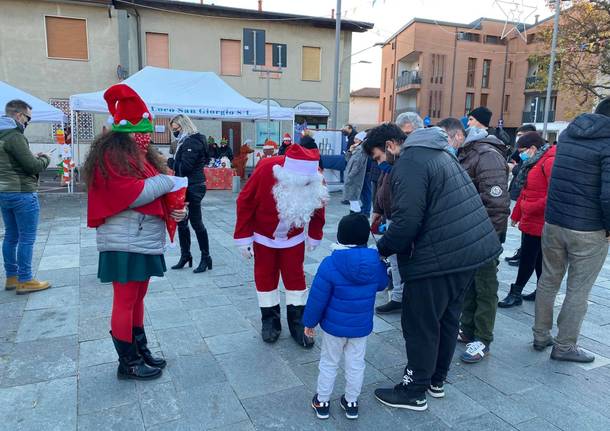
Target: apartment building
x,y
56,48
364,108
442,69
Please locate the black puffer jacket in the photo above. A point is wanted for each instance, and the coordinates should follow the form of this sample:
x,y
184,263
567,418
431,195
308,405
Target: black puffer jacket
x,y
579,193
439,225
190,159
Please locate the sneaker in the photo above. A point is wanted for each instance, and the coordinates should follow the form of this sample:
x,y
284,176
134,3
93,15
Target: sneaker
x,y
401,397
322,408
573,354
351,409
32,286
463,338
11,283
475,352
513,262
437,390
542,345
389,308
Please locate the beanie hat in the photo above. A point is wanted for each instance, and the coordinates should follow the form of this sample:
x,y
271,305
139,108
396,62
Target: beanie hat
x,y
301,161
353,229
482,115
530,138
308,142
129,112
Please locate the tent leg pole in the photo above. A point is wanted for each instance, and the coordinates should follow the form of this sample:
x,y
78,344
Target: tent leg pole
x,y
73,136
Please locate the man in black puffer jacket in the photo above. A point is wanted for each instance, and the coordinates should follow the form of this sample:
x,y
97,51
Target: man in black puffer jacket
x,y
441,234
575,234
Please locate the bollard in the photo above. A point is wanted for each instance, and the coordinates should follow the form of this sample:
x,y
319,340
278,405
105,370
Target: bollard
x,y
236,184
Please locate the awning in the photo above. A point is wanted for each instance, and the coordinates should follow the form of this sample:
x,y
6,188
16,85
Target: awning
x,y
42,112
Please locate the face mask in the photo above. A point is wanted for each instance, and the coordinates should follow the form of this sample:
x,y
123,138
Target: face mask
x,y
452,150
142,141
524,156
385,167
176,133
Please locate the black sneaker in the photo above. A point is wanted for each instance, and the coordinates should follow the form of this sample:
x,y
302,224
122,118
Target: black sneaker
x,y
401,397
351,409
437,390
514,258
390,307
322,409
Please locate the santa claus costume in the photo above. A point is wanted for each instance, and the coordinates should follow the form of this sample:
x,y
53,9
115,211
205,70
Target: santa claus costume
x,y
284,196
125,183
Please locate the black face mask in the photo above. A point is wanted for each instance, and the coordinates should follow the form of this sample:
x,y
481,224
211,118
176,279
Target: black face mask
x,y
176,133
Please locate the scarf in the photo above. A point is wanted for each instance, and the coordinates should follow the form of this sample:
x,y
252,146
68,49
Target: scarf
x,y
527,165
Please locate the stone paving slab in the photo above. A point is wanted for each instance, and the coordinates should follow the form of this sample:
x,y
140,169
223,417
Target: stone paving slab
x,y
58,367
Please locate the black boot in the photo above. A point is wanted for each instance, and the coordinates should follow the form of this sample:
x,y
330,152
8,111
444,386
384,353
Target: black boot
x,y
272,325
131,364
515,257
513,298
142,344
297,330
530,296
184,236
204,246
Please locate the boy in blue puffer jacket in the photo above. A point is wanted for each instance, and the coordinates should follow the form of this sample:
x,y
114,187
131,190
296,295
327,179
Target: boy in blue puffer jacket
x,y
341,300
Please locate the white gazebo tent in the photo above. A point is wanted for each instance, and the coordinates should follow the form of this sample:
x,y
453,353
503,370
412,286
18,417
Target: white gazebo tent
x,y
169,92
42,112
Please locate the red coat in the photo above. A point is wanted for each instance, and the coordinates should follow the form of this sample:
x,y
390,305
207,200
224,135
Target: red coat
x,y
529,210
257,216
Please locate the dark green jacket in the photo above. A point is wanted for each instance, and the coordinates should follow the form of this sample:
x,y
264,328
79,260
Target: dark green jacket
x,y
19,168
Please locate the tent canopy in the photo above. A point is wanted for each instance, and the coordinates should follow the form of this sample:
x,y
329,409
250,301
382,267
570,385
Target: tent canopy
x,y
42,112
169,92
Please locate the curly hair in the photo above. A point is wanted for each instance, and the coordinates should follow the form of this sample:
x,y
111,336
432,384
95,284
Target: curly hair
x,y
122,152
377,137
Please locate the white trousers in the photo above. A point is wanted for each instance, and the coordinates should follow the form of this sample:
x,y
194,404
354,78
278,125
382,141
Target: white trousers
x,y
333,348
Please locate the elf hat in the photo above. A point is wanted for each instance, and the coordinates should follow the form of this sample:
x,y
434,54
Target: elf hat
x,y
301,161
286,137
129,112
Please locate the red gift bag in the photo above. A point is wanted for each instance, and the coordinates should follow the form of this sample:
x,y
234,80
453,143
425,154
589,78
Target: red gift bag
x,y
174,200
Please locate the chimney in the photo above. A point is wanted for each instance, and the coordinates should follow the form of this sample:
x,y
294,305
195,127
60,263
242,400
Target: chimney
x,y
332,14
260,5
537,18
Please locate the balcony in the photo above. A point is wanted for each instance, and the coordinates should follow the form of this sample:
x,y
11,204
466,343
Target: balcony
x,y
408,79
537,117
532,83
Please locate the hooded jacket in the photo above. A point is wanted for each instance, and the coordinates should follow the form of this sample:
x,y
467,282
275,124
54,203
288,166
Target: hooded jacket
x,y
483,156
439,224
342,295
579,192
355,173
19,168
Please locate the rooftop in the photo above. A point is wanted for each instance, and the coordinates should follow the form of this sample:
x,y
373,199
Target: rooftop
x,y
366,92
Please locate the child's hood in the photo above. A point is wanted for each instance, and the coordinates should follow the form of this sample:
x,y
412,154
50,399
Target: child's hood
x,y
359,265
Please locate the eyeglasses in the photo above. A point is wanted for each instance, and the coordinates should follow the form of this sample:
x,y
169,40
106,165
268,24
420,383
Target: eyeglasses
x,y
26,116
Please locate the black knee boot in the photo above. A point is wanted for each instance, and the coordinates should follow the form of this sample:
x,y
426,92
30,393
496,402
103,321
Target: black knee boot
x,y
131,364
272,325
513,298
204,246
184,236
142,344
297,330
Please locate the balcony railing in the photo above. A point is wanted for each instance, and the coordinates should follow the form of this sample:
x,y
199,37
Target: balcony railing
x,y
408,77
532,82
537,117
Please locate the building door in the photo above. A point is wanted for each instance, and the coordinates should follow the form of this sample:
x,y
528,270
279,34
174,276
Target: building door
x,y
231,131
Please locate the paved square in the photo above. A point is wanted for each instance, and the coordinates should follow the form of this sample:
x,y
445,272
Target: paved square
x,y
58,366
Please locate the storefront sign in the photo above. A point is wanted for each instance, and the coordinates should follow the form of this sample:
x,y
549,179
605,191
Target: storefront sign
x,y
313,109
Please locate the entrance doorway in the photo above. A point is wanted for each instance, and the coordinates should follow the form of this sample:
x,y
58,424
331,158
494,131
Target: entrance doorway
x,y
231,130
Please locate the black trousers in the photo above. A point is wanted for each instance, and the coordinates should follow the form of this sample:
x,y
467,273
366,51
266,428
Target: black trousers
x,y
194,196
431,309
531,259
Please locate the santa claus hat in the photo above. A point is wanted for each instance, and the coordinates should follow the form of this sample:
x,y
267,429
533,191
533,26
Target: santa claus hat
x,y
269,145
301,161
129,112
287,137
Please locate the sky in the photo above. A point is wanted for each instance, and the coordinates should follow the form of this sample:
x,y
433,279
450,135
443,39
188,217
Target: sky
x,y
388,17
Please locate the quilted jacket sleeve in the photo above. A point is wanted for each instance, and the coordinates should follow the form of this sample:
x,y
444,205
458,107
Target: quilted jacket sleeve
x,y
319,296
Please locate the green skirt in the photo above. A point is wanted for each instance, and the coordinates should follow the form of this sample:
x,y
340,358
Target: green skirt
x,y
123,266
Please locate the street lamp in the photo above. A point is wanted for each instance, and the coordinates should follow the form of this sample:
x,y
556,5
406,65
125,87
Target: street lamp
x,y
363,62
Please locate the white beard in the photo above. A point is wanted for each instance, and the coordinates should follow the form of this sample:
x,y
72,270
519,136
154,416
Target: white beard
x,y
298,196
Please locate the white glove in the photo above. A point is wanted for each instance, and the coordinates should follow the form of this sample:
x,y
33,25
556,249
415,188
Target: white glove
x,y
355,206
246,251
179,182
309,246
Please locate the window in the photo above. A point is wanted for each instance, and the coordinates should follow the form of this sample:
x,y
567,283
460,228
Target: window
x,y
390,103
469,37
269,63
311,69
230,62
469,105
385,79
506,102
383,109
392,72
494,40
531,38
157,49
66,38
484,99
509,70
438,68
435,102
472,68
254,47
486,72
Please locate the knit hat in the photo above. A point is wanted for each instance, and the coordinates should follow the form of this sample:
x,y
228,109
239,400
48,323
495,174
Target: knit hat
x,y
482,115
530,138
286,137
129,112
301,161
353,229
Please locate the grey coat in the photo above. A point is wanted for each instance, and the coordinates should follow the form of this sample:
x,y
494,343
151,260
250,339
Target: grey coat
x,y
132,231
355,171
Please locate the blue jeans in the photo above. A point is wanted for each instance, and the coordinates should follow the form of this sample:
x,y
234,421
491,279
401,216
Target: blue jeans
x,y
20,214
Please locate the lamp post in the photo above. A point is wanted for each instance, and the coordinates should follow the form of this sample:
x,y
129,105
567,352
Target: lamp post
x,y
549,85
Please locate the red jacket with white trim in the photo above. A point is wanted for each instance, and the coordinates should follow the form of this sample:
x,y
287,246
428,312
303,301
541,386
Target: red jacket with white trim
x,y
257,215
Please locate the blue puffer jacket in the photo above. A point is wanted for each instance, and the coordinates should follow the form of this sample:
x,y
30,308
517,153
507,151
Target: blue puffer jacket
x,y
579,192
342,296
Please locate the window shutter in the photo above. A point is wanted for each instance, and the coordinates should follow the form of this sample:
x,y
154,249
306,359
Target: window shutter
x,y
66,38
229,57
254,45
248,46
157,49
311,64
280,52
